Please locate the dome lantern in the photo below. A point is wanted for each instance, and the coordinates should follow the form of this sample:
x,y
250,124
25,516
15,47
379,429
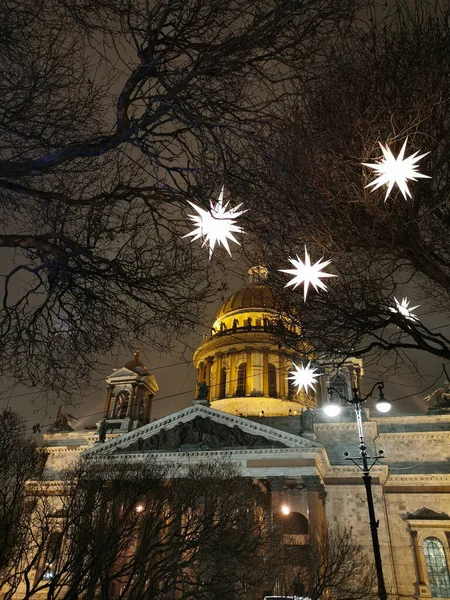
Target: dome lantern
x,y
258,274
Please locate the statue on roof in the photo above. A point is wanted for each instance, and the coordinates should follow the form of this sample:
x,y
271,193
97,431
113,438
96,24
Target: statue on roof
x,y
202,390
62,422
307,420
202,393
102,431
440,397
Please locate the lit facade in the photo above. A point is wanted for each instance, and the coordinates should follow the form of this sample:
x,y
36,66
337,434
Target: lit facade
x,y
257,423
245,365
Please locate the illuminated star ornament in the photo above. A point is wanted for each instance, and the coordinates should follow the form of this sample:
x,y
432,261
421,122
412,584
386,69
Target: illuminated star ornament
x,y
404,309
304,377
398,170
307,273
217,225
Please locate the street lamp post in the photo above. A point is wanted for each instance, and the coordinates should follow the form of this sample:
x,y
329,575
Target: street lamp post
x,y
362,462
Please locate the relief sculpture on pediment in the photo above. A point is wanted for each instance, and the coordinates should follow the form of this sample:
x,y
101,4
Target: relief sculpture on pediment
x,y
202,433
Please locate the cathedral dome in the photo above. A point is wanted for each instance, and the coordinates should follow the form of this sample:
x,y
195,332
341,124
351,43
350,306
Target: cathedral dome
x,y
242,362
254,297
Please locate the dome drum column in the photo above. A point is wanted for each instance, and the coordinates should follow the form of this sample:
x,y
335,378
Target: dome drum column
x,y
258,373
209,362
282,376
249,373
265,371
216,393
232,379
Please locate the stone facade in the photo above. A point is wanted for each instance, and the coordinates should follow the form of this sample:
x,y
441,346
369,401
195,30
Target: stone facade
x,y
287,443
411,486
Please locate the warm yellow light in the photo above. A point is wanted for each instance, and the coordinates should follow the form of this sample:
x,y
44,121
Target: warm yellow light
x,y
285,509
139,508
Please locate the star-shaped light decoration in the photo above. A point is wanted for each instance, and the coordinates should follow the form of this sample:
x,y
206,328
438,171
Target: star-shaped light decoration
x,y
304,377
307,273
398,170
217,225
404,309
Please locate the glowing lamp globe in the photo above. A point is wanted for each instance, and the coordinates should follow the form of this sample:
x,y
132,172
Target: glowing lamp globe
x,y
383,405
285,509
331,409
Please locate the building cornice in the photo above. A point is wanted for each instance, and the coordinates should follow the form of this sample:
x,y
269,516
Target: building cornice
x,y
238,340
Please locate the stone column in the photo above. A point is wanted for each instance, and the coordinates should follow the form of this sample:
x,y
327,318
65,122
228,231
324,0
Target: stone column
x,y
140,410
265,371
217,382
107,409
232,378
131,412
358,380
419,560
209,362
316,503
148,407
281,376
258,373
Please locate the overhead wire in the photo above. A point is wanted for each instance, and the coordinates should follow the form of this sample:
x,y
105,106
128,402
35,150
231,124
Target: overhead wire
x,y
416,464
193,391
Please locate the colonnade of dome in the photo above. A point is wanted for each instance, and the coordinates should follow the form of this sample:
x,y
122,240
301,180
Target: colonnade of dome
x,y
241,360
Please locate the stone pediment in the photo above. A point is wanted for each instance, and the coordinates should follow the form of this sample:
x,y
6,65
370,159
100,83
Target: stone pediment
x,y
427,513
201,433
200,428
122,372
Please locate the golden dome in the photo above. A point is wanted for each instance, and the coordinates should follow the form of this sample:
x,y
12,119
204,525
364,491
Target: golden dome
x,y
254,297
242,361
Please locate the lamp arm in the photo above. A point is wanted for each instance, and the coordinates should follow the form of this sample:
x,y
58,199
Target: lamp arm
x,y
330,390
356,399
380,385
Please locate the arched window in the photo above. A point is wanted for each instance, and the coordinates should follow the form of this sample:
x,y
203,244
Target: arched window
x,y
223,383
241,379
437,568
339,383
272,381
295,524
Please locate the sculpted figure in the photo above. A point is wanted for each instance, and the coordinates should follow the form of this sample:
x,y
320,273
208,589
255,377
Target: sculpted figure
x,y
440,397
307,419
102,431
203,391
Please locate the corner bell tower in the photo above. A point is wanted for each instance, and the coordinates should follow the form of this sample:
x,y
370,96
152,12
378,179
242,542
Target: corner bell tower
x,y
129,398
